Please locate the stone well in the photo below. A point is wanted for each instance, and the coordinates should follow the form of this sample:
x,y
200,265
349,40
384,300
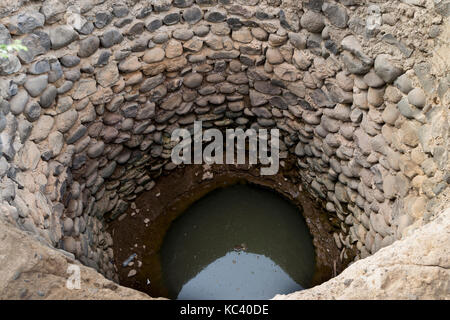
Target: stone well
x,y
358,90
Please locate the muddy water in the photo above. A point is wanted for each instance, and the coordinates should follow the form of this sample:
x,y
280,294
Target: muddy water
x,y
239,242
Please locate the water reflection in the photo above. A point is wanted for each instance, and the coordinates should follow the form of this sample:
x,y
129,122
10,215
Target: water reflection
x,y
198,257
240,276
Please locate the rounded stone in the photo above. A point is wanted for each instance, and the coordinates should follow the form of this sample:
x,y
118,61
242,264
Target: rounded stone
x,y
110,38
36,85
69,61
66,120
61,36
215,16
171,18
96,150
312,21
174,49
18,102
70,245
417,97
193,80
404,84
68,225
33,111
192,15
386,69
156,54
183,34
56,142
48,96
88,46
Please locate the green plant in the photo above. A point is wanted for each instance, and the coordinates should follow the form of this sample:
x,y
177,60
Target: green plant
x,y
5,49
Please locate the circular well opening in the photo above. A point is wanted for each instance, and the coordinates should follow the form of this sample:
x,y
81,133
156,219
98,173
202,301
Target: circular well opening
x,y
237,242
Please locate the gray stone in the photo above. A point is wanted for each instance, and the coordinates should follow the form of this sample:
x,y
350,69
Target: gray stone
x,y
386,69
48,96
312,21
61,36
26,22
66,120
257,99
96,149
84,88
171,18
417,97
403,83
32,111
151,83
193,80
336,14
9,65
72,75
88,46
102,19
183,34
39,67
353,64
111,38
182,3
24,129
154,24
215,16
56,142
18,102
37,43
42,128
192,15
76,134
373,80
390,113
406,109
35,85
267,87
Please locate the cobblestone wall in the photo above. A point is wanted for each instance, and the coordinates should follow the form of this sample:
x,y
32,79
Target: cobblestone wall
x,y
87,111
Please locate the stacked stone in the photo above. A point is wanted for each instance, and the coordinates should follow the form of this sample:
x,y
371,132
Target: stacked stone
x,y
87,113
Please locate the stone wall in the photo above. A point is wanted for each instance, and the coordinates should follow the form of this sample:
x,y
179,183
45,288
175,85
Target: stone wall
x,y
358,91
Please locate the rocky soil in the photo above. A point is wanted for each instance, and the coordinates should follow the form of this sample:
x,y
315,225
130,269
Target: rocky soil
x,y
33,270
